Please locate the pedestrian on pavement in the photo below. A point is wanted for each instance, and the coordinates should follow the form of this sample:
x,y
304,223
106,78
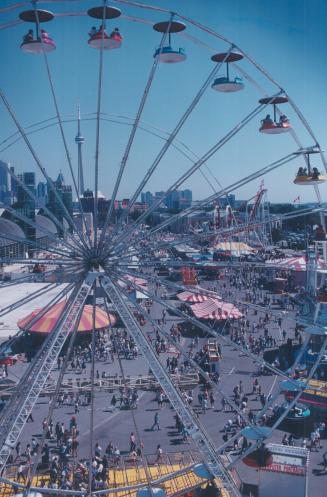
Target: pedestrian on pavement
x,y
156,422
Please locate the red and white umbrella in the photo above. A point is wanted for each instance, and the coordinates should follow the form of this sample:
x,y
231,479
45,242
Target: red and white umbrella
x,y
136,281
215,309
196,296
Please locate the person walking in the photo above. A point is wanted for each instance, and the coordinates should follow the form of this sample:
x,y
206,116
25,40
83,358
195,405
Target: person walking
x,y
156,422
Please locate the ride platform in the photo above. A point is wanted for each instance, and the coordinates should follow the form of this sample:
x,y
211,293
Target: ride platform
x,y
175,474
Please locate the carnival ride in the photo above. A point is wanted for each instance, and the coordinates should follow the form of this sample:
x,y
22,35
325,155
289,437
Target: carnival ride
x,y
103,258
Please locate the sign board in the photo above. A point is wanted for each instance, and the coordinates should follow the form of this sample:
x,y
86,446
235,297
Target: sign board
x,y
291,464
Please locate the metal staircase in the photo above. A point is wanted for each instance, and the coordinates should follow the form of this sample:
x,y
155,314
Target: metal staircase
x,y
33,381
201,439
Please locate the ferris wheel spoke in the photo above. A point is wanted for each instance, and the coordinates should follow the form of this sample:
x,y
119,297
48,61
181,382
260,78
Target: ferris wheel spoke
x,y
130,230
33,197
215,386
54,398
225,232
173,135
133,131
32,382
40,166
58,115
33,224
205,202
92,403
97,132
18,303
34,245
122,372
42,312
207,328
196,430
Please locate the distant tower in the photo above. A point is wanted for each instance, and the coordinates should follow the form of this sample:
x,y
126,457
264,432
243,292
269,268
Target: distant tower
x,y
79,140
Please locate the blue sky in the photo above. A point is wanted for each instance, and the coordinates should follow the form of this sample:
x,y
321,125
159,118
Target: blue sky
x,y
287,37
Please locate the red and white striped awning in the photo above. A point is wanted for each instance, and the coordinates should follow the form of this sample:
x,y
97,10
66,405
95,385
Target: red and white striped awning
x,y
136,281
215,309
197,296
295,263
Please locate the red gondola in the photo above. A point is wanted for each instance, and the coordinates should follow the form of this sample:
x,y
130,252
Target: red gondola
x,y
272,126
100,38
41,42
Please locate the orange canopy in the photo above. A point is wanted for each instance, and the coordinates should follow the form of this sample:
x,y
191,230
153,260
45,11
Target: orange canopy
x,y
46,323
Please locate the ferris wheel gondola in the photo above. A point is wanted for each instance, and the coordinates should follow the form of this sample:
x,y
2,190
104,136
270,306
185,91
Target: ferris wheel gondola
x,y
112,249
309,176
167,53
270,125
225,83
41,42
99,38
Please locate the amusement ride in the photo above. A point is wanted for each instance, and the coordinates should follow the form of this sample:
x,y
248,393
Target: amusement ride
x,y
103,258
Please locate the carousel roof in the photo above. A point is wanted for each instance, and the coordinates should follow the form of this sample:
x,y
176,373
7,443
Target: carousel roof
x,y
215,309
47,323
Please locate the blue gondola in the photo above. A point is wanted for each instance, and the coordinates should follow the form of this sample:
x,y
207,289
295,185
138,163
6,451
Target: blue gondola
x,y
170,55
167,53
227,85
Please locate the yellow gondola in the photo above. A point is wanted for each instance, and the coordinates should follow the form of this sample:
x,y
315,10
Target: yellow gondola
x,y
309,180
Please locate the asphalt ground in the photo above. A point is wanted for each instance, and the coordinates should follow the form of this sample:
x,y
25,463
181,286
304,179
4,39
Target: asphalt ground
x,y
116,425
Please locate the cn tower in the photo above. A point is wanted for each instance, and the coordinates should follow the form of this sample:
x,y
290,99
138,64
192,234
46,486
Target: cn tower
x,y
79,140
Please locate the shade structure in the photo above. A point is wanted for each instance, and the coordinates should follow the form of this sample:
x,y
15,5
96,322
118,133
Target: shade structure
x,y
196,296
216,309
235,248
136,281
295,263
47,323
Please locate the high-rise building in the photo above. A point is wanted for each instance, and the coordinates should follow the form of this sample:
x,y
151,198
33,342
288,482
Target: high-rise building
x,y
186,198
5,183
147,198
25,204
41,193
64,192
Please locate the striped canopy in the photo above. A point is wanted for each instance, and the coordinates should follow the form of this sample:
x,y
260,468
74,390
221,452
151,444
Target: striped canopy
x,y
47,323
136,281
295,263
215,309
196,296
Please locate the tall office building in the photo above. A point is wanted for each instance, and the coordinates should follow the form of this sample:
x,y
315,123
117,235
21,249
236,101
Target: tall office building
x,y
5,183
147,198
41,193
25,204
65,194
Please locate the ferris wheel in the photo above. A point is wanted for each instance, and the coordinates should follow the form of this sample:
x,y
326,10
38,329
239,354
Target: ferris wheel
x,y
117,254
